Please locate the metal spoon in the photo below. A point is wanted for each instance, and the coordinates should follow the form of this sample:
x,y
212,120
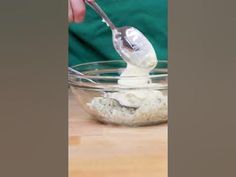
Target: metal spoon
x,y
129,42
73,72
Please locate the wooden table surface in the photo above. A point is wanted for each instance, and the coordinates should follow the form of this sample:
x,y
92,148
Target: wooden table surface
x,y
97,150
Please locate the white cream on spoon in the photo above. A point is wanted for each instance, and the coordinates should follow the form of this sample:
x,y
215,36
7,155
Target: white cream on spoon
x,y
139,62
139,65
143,55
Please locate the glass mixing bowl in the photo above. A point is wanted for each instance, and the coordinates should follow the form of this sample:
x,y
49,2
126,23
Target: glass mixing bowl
x,y
99,93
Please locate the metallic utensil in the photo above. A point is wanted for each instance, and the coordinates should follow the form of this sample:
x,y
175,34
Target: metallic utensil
x,y
128,41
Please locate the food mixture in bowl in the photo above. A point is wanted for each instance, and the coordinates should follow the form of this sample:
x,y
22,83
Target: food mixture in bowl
x,y
124,100
150,110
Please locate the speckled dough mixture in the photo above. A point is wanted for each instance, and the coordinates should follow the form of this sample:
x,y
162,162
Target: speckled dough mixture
x,y
152,110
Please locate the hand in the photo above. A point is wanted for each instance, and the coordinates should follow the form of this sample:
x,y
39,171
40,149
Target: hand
x,y
76,10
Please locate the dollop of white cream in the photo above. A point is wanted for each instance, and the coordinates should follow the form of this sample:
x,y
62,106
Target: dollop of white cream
x,y
139,64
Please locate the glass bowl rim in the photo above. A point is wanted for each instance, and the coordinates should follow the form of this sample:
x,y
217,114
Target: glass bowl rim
x,y
118,77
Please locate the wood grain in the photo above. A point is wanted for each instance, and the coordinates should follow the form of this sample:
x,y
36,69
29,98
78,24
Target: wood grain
x,y
97,150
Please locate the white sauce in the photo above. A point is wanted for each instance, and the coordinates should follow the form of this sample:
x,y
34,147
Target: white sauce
x,y
139,64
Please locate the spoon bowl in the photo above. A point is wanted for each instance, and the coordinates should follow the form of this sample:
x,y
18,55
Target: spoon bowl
x,y
134,47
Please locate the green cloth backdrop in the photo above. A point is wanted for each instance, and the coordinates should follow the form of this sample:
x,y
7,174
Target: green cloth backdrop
x,y
91,40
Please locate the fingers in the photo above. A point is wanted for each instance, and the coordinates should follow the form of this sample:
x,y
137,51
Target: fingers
x,y
77,9
70,14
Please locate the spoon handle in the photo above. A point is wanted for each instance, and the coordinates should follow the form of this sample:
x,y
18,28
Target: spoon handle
x,y
100,12
75,72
